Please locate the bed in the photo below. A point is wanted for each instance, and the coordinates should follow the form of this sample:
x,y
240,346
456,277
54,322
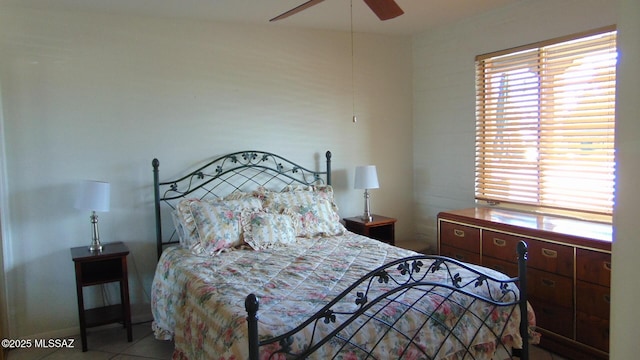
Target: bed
x,y
253,263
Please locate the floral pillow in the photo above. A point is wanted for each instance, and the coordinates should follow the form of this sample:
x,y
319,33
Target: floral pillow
x,y
323,191
217,225
264,230
316,219
187,225
315,211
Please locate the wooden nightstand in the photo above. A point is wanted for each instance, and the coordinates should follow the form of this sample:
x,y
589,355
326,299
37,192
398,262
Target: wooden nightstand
x,y
380,228
94,268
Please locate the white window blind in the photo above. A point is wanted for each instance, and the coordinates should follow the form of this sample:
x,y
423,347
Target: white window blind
x,y
545,120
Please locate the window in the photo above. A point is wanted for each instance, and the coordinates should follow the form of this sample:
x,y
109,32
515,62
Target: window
x,y
545,116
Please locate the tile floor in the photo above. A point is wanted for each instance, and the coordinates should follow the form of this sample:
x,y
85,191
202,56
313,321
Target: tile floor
x,y
105,343
111,343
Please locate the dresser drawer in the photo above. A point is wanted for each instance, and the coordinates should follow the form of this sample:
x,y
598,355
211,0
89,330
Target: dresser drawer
x,y
593,266
551,288
459,254
505,267
500,246
460,236
593,331
553,318
550,257
593,299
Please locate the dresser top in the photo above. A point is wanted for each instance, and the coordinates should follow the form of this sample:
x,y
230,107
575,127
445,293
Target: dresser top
x,y
537,222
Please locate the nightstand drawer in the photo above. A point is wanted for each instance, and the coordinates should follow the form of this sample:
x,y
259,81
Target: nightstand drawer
x,y
593,266
99,272
460,236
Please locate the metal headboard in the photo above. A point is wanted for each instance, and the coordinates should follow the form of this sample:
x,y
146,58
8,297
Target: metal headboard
x,y
242,171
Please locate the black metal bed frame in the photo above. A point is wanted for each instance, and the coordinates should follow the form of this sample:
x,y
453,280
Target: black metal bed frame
x,y
248,170
235,172
413,276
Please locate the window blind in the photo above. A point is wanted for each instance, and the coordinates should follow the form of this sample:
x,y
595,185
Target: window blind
x,y
545,122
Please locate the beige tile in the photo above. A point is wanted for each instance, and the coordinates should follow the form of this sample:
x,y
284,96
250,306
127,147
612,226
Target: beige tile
x,y
54,354
107,341
114,339
77,354
150,347
28,354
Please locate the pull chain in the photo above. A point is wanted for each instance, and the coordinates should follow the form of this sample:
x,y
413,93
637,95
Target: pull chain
x,y
353,87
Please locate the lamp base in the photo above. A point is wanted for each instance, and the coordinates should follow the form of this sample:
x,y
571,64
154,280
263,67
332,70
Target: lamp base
x,y
95,247
95,237
366,217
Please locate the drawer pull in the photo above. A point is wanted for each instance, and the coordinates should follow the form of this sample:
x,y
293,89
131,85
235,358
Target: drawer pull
x,y
549,283
549,253
499,242
458,257
458,233
607,299
607,265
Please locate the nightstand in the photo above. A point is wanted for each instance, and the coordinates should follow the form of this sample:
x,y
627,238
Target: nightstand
x,y
380,227
95,268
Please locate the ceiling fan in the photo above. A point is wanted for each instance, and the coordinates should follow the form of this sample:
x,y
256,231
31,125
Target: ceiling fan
x,y
384,9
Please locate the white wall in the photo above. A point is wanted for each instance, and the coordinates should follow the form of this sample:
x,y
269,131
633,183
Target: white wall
x,y
444,92
625,316
99,96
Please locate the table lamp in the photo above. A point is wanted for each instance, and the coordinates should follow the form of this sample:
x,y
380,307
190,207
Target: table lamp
x,y
93,196
366,178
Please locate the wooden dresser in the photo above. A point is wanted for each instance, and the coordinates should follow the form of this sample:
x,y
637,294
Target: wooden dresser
x,y
568,269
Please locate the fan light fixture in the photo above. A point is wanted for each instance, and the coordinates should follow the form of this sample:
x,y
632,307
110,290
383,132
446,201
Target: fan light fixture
x,y
384,9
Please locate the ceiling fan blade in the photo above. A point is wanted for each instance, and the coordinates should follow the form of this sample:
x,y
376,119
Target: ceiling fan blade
x,y
385,9
297,9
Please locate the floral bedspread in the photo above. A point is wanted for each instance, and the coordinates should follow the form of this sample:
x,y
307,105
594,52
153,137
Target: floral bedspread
x,y
198,301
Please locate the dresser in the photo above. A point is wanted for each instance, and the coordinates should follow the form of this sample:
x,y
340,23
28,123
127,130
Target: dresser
x,y
568,270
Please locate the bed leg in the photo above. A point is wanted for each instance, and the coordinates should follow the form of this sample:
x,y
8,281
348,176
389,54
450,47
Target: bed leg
x,y
251,304
524,318
156,201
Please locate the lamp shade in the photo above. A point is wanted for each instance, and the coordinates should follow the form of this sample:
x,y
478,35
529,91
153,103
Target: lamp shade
x,y
93,195
366,177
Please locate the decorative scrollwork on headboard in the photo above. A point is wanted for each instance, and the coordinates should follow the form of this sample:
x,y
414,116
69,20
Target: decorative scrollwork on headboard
x,y
241,171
